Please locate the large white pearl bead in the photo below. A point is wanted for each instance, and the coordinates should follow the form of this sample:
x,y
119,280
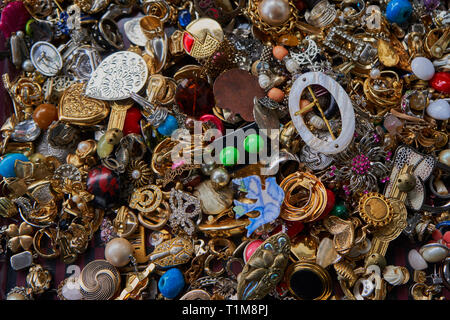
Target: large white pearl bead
x,y
274,12
264,81
118,251
444,157
434,252
422,68
439,109
291,65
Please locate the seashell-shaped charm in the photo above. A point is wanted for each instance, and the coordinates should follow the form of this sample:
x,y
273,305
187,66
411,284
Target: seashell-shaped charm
x,y
117,77
394,275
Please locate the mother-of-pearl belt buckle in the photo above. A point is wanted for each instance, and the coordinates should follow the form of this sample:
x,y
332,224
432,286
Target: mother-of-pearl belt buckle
x,y
345,108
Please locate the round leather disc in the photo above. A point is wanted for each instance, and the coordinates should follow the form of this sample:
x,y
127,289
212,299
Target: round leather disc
x,y
235,90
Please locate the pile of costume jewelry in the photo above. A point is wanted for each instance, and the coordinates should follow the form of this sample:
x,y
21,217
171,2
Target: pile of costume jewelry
x,y
226,149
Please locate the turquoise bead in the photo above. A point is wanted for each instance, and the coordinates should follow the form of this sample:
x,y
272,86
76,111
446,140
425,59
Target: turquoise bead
x,y
171,283
168,126
229,156
398,11
7,164
253,143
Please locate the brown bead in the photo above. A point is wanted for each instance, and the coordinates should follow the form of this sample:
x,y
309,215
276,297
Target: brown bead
x,y
44,115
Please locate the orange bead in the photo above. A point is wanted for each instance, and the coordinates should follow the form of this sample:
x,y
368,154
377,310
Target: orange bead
x,y
276,94
44,115
279,52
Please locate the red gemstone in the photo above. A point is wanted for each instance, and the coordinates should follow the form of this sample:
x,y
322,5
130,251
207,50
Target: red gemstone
x,y
188,41
195,97
441,82
251,248
132,119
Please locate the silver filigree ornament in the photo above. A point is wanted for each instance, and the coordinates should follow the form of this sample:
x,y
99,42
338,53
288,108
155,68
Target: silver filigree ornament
x,y
119,75
184,207
306,56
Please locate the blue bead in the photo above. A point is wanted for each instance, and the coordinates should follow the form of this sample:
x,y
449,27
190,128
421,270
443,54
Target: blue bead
x,y
398,11
7,164
171,283
184,18
168,126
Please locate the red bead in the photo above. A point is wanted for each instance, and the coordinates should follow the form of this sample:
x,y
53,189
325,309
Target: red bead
x,y
294,228
436,235
441,82
446,238
188,41
194,97
132,120
331,199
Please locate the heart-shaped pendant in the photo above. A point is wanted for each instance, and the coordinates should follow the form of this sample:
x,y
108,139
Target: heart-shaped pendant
x,y
118,76
78,109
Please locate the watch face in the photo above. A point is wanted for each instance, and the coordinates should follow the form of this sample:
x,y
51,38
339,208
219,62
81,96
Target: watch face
x,y
46,58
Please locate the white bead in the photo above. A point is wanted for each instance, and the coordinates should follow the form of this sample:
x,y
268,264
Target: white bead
x,y
422,68
264,81
291,65
375,73
439,109
416,261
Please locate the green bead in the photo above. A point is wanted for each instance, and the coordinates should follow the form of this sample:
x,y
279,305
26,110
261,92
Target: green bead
x,y
104,149
229,156
253,143
340,210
